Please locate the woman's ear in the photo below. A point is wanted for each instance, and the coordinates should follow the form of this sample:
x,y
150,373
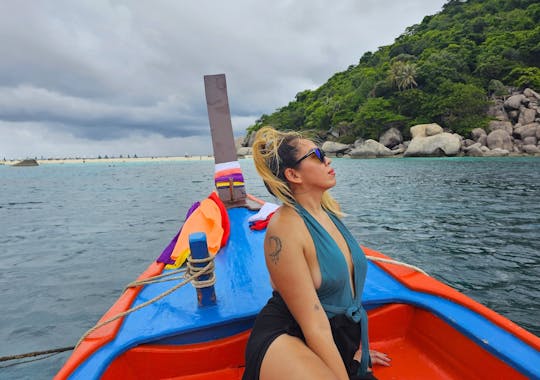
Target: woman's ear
x,y
292,176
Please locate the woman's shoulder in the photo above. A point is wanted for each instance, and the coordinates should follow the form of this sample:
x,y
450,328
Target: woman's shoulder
x,y
286,218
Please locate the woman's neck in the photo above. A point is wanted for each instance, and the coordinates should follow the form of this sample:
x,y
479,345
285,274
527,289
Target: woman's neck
x,y
310,202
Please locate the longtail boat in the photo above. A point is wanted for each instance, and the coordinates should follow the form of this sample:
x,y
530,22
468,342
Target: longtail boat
x,y
189,315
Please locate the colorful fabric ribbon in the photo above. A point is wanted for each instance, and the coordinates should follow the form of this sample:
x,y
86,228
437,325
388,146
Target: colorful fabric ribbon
x,y
227,173
208,216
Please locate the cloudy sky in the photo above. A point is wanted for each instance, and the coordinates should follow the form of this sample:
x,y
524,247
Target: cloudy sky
x,y
81,78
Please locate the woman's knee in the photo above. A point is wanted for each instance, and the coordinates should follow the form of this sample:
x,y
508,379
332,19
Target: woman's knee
x,y
290,358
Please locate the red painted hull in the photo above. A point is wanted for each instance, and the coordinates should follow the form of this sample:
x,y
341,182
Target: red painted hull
x,y
414,337
420,343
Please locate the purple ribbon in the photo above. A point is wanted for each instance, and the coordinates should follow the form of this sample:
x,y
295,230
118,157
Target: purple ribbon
x,y
165,256
236,177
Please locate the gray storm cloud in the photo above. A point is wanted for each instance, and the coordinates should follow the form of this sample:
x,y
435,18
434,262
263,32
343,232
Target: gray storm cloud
x,y
96,119
131,71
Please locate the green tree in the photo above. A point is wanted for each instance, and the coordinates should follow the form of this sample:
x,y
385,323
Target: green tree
x,y
402,75
497,88
375,116
440,66
460,107
523,77
414,104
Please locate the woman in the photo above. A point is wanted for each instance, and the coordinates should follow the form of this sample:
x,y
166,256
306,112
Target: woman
x,y
314,326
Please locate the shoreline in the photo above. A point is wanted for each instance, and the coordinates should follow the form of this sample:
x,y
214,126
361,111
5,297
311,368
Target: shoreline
x,y
118,160
112,160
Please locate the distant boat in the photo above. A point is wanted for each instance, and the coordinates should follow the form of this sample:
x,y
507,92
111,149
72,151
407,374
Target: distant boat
x,y
27,162
430,330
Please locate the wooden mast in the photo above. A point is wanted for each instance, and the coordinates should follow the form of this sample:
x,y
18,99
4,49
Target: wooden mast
x,y
233,193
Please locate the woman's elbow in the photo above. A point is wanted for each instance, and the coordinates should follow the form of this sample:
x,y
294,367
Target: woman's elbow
x,y
317,332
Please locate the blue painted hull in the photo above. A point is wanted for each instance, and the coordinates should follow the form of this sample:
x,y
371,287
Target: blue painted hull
x,y
243,287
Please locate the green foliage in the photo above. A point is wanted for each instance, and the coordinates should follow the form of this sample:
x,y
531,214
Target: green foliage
x,y
440,70
523,77
497,88
375,116
460,107
347,139
440,66
413,104
403,74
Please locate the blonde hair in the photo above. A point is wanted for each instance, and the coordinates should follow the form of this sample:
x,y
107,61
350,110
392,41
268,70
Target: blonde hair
x,y
273,152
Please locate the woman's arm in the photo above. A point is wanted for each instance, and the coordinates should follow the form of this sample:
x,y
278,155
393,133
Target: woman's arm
x,y
291,277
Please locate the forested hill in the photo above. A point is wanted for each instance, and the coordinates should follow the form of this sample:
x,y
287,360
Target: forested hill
x,y
443,70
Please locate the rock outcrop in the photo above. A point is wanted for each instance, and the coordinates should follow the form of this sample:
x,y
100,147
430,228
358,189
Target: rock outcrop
x,y
500,139
474,150
239,142
515,102
335,148
370,148
516,129
426,130
441,144
244,151
27,162
497,152
499,124
479,135
391,138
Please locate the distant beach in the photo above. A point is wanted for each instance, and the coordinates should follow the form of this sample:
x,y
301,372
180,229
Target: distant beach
x,y
113,160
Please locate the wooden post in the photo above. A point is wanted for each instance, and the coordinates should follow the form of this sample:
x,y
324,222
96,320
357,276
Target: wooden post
x,y
219,116
199,250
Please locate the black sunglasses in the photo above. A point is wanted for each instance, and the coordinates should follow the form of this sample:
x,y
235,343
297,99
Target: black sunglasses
x,y
319,153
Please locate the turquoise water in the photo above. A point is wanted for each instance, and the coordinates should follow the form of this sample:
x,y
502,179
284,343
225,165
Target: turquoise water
x,y
72,235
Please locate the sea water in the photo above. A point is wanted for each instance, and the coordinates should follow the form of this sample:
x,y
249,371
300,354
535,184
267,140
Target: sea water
x,y
73,235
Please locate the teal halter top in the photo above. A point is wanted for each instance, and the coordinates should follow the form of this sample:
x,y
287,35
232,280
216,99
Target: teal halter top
x,y
335,292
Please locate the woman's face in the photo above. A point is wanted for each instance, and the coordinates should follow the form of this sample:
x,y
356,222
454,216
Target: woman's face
x,y
312,170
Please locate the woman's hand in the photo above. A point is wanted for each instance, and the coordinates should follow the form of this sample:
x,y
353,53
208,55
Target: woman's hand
x,y
377,358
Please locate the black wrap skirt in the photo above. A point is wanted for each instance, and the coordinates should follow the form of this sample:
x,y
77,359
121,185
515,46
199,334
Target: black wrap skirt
x,y
275,320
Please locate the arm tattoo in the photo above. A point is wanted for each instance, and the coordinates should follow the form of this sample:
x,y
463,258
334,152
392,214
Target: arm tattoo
x,y
276,250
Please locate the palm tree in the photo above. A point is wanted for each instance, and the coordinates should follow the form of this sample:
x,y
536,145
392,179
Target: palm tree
x,y
402,75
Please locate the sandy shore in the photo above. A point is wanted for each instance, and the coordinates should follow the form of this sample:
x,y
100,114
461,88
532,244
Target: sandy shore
x,y
114,160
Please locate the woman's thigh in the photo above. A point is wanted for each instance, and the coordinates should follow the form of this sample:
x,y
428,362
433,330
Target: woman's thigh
x,y
289,358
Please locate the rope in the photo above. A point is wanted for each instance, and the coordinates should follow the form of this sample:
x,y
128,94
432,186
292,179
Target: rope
x,y
156,279
196,271
190,270
390,261
29,360
191,274
35,353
